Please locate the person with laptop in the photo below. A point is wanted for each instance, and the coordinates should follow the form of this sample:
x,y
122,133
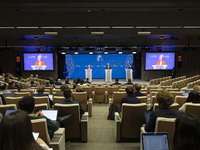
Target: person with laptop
x,y
130,98
165,100
27,104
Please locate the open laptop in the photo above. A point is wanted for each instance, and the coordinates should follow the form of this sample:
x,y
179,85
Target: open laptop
x,y
147,116
155,141
51,114
9,111
185,94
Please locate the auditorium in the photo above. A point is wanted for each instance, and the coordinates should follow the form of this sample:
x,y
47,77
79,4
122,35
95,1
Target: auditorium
x,y
99,74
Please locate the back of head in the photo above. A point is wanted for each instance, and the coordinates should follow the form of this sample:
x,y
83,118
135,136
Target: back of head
x,y
87,79
40,88
78,88
197,88
67,81
3,86
164,99
137,87
129,80
27,104
63,87
116,80
67,93
187,132
16,132
129,90
193,97
11,83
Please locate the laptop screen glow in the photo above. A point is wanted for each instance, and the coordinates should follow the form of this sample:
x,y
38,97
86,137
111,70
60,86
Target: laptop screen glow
x,y
153,141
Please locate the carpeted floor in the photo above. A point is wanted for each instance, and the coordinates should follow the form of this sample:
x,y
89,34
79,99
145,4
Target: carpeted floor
x,y
102,133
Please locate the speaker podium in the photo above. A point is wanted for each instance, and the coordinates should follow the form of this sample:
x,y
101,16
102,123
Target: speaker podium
x,y
129,74
108,75
88,74
159,66
34,67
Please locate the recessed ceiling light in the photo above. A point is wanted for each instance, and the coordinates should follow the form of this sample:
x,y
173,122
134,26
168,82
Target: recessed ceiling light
x,y
51,33
191,27
7,27
146,27
75,52
122,27
134,52
90,52
51,27
63,53
119,52
144,33
170,27
102,27
97,33
76,27
27,27
105,52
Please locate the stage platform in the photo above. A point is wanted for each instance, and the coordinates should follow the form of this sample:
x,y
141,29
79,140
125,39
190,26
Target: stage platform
x,y
113,80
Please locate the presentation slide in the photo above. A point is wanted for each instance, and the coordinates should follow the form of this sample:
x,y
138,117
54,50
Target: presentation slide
x,y
160,61
75,65
38,61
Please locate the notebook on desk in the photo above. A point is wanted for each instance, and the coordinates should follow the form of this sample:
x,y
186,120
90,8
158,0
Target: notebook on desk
x,y
155,141
51,114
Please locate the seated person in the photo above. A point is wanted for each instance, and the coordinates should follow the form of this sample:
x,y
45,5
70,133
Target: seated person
x,y
33,84
40,90
58,82
62,88
27,104
16,133
165,100
4,88
68,100
130,98
197,88
116,82
12,85
81,82
79,89
129,82
187,132
193,97
48,84
137,90
67,81
87,81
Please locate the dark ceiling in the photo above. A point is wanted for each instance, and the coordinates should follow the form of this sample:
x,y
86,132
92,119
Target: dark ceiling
x,y
120,20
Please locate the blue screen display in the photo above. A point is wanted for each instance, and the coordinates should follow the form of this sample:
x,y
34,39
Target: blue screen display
x,y
160,61
75,65
38,61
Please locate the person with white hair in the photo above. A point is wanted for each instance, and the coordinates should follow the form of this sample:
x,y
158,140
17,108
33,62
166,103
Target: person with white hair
x,y
161,61
39,62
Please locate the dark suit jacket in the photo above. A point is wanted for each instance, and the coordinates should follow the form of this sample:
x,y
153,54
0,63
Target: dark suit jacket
x,y
131,99
129,84
116,84
165,112
137,94
40,94
58,83
108,67
69,101
130,67
87,82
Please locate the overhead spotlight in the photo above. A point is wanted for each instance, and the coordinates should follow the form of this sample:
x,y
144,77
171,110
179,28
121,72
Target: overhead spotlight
x,y
97,33
75,52
144,33
105,52
51,33
120,53
90,52
134,52
63,53
162,37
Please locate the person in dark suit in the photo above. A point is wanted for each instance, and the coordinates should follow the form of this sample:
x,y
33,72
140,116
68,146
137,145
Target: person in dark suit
x,y
108,66
62,88
116,82
40,90
68,100
130,98
87,81
165,100
12,85
129,82
137,90
33,84
130,67
58,82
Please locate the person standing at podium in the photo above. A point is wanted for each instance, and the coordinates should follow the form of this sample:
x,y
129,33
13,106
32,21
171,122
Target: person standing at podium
x,y
130,67
108,66
39,62
161,61
89,68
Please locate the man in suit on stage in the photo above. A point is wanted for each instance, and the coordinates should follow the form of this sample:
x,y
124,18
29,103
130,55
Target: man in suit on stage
x,y
130,67
161,61
130,98
39,62
108,66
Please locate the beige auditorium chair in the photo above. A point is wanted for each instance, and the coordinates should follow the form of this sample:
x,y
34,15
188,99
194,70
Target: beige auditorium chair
x,y
192,108
78,127
143,99
50,89
39,107
154,100
116,99
176,93
13,90
132,118
13,100
42,100
112,89
21,94
3,108
58,140
180,100
85,104
163,125
88,90
99,94
1,102
56,99
174,106
31,91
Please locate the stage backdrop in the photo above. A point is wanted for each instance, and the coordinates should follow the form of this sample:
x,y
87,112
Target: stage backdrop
x,y
75,65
